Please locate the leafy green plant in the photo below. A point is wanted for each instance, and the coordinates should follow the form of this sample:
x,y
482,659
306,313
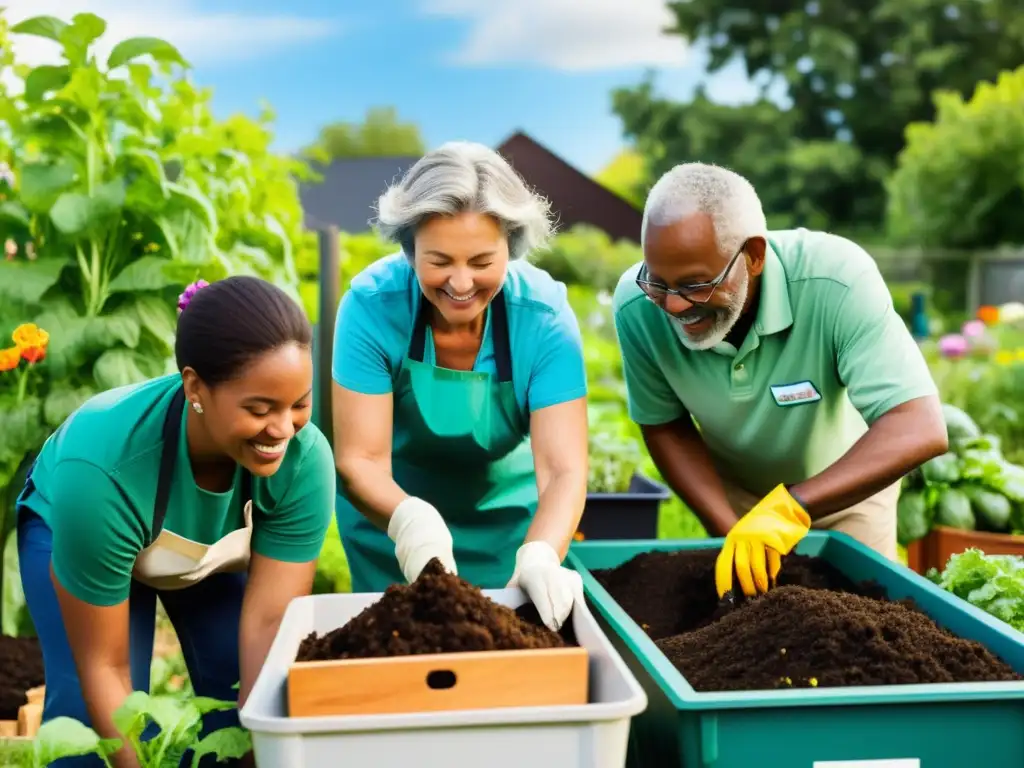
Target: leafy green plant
x,y
118,187
958,181
179,722
994,583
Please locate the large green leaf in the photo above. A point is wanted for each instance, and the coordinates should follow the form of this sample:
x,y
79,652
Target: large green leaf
x,y
134,47
76,214
148,273
13,212
42,184
26,281
192,198
80,34
122,326
158,318
62,402
22,428
120,367
45,78
41,26
147,184
75,339
15,620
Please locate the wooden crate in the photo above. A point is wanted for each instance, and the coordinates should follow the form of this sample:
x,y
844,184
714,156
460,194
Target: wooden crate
x,y
942,542
30,716
439,682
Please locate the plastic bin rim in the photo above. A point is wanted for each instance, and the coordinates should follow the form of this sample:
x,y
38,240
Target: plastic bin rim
x,y
684,697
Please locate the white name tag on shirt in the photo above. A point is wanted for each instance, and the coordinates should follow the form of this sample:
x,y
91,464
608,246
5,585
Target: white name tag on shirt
x,y
795,394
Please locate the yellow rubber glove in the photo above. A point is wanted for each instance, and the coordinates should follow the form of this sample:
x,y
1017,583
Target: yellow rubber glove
x,y
756,544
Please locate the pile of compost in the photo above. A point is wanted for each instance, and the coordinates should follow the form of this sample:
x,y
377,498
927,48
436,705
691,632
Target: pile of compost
x,y
21,669
816,628
437,613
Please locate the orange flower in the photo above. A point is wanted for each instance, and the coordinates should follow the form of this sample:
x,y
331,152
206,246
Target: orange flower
x,y
988,315
31,341
9,358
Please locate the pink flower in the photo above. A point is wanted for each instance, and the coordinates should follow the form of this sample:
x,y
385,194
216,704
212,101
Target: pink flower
x,y
186,296
952,345
973,328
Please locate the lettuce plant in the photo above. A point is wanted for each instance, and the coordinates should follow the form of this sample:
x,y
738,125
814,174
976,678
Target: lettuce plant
x,y
179,722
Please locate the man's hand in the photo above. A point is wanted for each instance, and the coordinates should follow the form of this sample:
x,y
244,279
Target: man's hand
x,y
420,534
550,587
756,544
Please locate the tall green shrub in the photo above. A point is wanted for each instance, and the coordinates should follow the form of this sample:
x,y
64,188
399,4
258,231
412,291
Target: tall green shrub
x,y
117,188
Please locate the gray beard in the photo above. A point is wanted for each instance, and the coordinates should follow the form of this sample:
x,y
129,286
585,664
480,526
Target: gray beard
x,y
724,320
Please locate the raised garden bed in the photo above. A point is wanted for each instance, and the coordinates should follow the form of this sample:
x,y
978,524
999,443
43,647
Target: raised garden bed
x,y
942,542
802,675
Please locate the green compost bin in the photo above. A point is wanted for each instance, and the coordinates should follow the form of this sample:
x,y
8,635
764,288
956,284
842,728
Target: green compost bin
x,y
957,725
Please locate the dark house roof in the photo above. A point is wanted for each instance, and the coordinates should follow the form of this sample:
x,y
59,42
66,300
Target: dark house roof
x,y
348,194
575,197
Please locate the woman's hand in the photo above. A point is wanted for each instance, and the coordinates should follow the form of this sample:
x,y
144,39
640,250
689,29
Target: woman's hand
x,y
558,436
554,590
420,534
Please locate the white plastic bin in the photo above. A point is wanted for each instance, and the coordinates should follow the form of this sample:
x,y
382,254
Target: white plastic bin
x,y
593,735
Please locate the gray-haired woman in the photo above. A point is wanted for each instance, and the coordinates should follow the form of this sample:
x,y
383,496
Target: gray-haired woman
x,y
460,415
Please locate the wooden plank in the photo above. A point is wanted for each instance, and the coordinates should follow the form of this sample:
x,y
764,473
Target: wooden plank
x,y
439,682
30,717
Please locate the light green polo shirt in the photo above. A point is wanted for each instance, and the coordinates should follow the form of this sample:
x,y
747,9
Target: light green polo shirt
x,y
826,356
95,486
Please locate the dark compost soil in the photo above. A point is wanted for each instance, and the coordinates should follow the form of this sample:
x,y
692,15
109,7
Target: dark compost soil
x,y
21,668
816,628
437,613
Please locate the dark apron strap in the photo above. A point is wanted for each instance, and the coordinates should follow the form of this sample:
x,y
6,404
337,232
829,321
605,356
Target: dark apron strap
x,y
168,455
499,335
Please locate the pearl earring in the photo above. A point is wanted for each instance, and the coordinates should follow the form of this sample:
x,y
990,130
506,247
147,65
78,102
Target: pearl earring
x,y
197,407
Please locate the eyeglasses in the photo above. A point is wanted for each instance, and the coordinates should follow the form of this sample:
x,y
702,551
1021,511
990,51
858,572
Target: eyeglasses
x,y
698,293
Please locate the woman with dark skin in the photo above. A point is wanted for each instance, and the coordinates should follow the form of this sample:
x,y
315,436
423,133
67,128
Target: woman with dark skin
x,y
207,488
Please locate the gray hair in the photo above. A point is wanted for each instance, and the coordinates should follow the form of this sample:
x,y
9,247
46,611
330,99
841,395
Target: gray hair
x,y
729,199
462,176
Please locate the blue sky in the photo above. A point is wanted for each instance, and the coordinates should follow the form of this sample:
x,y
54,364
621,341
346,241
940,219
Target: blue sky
x,y
461,69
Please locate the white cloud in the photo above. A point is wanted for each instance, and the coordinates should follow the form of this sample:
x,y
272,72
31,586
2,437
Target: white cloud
x,y
568,35
201,36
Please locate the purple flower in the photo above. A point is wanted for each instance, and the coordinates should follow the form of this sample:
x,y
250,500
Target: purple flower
x,y
186,297
952,345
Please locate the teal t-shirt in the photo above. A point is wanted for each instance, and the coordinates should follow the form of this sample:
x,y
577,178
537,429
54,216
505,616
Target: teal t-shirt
x,y
95,486
375,322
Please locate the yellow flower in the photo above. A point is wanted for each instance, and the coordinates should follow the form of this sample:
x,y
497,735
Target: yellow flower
x,y
31,341
9,358
1004,357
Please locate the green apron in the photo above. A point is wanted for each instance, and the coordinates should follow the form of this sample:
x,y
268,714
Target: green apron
x,y
461,443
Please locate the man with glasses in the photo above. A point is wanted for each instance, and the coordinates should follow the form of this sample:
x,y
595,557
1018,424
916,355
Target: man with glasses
x,y
776,388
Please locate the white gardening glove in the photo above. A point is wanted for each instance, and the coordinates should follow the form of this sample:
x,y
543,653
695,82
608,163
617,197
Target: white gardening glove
x,y
550,587
420,534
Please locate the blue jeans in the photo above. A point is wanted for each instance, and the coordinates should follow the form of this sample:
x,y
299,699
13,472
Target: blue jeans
x,y
205,618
